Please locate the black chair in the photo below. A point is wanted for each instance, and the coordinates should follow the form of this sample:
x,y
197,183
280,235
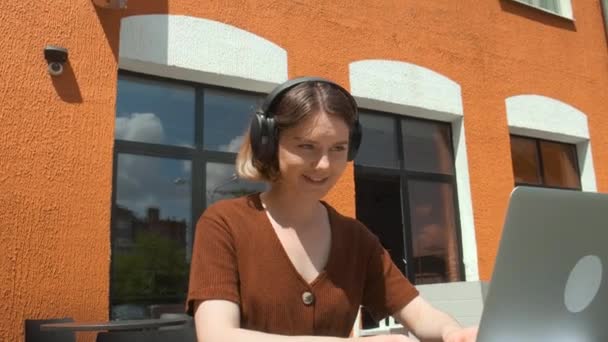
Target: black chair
x,y
183,334
34,334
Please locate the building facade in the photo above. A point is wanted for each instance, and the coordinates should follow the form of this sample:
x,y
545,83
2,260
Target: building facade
x,y
105,168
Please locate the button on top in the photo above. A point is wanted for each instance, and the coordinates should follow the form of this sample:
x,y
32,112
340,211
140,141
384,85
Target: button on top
x,y
308,298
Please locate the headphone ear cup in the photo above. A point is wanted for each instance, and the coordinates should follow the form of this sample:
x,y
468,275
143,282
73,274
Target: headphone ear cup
x,y
262,137
354,142
255,134
269,139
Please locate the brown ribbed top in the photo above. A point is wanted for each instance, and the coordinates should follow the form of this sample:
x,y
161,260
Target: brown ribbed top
x,y
237,256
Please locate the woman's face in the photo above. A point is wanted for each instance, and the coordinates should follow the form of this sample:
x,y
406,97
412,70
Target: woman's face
x,y
312,154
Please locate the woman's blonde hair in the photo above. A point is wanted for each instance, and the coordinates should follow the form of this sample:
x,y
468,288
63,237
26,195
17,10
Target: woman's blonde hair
x,y
244,161
291,109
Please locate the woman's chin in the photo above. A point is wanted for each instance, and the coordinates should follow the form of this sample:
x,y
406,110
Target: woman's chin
x,y
316,190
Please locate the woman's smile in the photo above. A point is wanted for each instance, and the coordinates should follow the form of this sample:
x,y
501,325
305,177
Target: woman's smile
x,y
315,180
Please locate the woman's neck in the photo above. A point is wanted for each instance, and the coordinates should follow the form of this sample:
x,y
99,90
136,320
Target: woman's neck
x,y
289,208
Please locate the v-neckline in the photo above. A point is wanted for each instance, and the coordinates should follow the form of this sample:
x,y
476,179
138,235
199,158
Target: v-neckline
x,y
323,273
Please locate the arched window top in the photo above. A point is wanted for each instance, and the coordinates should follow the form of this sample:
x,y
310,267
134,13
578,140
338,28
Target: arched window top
x,y
547,118
401,87
200,50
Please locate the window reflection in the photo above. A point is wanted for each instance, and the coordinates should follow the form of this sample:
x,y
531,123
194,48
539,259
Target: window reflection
x,y
154,112
150,235
154,186
222,183
544,163
378,133
434,236
525,160
427,146
560,165
227,115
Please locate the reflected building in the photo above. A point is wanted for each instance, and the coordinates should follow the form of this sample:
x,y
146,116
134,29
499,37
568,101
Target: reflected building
x,y
127,226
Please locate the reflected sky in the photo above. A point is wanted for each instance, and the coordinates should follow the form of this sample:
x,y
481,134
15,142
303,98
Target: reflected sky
x,y
222,183
144,182
227,115
155,112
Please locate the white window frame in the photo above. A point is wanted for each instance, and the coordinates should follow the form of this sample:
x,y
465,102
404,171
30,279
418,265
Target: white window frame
x,y
565,7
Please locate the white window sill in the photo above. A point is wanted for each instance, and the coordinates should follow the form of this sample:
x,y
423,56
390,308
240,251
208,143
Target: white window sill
x,y
571,18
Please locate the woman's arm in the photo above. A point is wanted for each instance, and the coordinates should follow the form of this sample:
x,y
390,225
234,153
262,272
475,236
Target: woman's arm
x,y
430,324
219,321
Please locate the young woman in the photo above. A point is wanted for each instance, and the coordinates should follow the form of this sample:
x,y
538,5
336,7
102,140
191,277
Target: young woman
x,y
283,265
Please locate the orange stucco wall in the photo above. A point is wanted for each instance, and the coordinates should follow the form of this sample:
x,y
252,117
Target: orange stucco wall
x,y
55,164
56,135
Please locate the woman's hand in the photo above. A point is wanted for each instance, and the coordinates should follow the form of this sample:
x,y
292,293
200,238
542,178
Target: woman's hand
x,y
461,335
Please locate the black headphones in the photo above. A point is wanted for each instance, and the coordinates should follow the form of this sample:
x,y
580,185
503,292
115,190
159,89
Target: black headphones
x,y
263,131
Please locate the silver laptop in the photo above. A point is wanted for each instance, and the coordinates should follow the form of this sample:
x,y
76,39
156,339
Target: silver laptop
x,y
550,280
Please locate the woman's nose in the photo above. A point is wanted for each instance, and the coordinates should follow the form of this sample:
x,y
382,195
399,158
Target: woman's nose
x,y
323,162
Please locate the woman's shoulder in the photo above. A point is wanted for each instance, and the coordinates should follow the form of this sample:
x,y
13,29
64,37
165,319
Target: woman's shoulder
x,y
233,208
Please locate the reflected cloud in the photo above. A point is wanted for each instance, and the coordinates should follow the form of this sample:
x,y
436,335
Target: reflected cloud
x,y
143,127
144,182
219,174
222,183
234,145
187,167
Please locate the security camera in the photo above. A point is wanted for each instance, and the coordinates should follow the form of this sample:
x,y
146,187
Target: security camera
x,y
56,57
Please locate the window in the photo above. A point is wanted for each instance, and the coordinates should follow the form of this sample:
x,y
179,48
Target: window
x,y
559,7
538,162
174,155
406,195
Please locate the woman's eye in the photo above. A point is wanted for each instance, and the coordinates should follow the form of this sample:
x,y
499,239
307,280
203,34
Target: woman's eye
x,y
306,146
339,148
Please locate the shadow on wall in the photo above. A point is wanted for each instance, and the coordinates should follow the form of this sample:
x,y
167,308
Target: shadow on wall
x,y
67,86
537,15
110,19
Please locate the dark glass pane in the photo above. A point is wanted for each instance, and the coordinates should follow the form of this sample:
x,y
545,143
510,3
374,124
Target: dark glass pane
x,y
427,146
379,144
222,183
154,111
434,238
378,205
150,234
560,165
524,155
227,115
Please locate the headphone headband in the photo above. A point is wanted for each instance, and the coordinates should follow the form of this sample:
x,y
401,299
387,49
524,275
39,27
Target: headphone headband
x,y
263,131
277,93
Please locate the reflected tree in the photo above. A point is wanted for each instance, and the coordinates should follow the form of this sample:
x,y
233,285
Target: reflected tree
x,y
154,270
